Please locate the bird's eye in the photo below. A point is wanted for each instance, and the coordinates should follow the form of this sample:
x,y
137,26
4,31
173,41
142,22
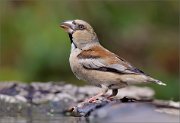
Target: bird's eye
x,y
81,27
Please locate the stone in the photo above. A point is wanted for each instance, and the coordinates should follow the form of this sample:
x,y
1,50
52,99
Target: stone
x,y
131,112
59,99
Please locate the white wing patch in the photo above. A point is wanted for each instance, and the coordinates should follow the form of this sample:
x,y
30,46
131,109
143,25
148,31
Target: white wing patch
x,y
99,64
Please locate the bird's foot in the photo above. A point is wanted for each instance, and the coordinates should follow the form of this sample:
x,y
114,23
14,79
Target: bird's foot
x,y
91,100
127,99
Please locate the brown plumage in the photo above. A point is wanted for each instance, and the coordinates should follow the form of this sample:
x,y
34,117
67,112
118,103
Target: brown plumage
x,y
91,62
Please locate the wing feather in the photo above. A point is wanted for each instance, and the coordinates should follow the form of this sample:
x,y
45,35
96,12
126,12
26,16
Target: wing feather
x,y
98,58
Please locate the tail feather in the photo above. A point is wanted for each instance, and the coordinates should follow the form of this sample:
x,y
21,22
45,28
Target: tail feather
x,y
157,81
160,83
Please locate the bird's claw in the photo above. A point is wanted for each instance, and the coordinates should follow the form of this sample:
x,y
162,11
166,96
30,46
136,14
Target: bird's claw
x,y
91,100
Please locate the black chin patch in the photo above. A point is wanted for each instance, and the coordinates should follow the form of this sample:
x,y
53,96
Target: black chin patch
x,y
71,39
70,36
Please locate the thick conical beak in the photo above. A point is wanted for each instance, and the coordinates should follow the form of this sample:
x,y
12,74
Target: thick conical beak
x,y
68,26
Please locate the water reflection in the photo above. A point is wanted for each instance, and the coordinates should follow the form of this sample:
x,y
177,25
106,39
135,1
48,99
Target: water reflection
x,y
26,113
41,119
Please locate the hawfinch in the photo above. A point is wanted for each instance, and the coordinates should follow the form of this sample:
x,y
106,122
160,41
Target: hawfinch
x,y
91,62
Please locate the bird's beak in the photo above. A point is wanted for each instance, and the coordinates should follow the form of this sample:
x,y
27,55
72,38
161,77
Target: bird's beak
x,y
68,26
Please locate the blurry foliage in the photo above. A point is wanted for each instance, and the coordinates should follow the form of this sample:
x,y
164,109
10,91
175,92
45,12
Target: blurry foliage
x,y
34,48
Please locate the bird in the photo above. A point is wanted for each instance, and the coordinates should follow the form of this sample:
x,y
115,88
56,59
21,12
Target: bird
x,y
91,62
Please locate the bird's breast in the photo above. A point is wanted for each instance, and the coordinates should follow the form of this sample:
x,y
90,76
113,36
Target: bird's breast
x,y
74,63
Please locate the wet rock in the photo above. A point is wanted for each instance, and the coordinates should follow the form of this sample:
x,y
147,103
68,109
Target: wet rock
x,y
49,99
37,92
14,106
13,99
11,106
9,89
52,107
85,108
130,112
106,105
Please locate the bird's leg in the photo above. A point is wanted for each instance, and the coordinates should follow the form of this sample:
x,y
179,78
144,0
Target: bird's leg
x,y
114,93
94,98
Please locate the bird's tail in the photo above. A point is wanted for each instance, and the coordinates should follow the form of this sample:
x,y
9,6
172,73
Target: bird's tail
x,y
156,81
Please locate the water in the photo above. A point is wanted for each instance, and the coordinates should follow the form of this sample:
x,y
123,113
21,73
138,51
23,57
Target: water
x,y
41,119
15,113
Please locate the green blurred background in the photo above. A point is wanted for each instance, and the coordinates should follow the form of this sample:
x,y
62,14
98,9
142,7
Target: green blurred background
x,y
34,48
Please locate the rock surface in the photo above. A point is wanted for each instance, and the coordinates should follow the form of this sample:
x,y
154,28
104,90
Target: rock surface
x,y
129,112
47,99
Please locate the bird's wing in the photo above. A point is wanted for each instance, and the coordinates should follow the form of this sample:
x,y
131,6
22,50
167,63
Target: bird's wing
x,y
98,58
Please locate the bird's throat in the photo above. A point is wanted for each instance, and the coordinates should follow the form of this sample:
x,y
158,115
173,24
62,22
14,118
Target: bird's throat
x,y
70,36
71,39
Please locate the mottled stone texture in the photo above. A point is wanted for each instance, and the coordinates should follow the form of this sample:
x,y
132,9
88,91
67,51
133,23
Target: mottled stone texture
x,y
57,98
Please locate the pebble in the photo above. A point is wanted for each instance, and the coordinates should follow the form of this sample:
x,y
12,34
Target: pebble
x,y
58,98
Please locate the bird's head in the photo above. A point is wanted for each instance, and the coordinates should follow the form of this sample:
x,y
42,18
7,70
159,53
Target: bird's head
x,y
80,32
